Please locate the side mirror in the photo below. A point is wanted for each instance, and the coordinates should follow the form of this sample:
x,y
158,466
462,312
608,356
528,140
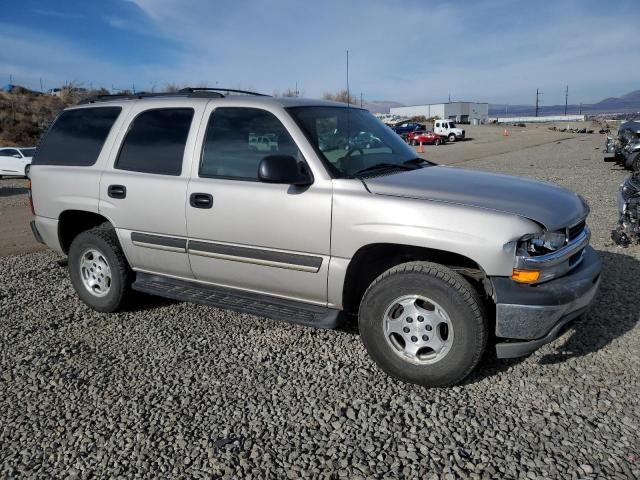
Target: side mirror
x,y
283,169
16,155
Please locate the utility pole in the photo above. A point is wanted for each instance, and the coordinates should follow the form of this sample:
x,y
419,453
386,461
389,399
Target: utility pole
x,y
297,89
360,99
41,87
449,97
537,100
566,99
580,108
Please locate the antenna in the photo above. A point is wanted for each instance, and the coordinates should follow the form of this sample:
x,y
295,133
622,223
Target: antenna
x,y
348,94
566,99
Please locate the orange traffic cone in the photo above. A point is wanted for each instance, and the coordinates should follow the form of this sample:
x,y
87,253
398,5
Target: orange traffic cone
x,y
506,133
420,148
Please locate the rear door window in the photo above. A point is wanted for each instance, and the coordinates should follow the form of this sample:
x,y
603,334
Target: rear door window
x,y
76,137
155,141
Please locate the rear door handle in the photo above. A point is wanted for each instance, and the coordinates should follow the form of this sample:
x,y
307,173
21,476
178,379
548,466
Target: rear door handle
x,y
117,191
201,200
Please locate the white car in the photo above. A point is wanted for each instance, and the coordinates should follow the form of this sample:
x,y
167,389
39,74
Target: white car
x,y
16,161
447,128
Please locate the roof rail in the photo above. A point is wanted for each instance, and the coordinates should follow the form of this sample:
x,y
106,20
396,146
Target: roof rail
x,y
191,92
216,89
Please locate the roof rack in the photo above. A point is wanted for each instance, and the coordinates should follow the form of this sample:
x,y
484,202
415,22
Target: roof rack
x,y
191,92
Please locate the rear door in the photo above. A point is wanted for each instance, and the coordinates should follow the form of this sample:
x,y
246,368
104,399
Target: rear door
x,y
143,189
267,238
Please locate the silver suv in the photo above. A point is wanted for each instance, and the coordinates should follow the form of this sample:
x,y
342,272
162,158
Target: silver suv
x,y
167,194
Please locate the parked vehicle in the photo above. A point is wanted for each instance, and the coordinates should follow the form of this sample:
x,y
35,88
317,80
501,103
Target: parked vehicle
x,y
16,161
366,140
627,231
625,147
161,193
407,127
425,136
331,141
447,128
263,143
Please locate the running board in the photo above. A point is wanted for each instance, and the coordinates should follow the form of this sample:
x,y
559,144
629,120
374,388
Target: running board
x,y
245,302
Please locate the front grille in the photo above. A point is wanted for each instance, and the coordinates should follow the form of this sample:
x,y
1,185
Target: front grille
x,y
576,230
575,258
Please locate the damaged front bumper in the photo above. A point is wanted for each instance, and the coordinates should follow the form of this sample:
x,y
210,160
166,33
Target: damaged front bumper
x,y
529,316
628,229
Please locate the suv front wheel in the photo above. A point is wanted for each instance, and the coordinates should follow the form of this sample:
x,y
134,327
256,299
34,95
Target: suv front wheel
x,y
99,270
423,323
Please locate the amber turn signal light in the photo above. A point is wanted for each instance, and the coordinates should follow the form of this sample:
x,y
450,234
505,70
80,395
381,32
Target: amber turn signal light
x,y
525,276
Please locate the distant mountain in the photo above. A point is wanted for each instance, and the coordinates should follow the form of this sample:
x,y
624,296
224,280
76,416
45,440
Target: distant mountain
x,y
381,106
629,103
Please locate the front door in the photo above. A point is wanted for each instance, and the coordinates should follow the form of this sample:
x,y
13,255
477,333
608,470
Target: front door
x,y
143,190
243,233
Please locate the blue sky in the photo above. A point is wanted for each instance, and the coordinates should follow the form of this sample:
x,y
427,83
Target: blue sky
x,y
410,51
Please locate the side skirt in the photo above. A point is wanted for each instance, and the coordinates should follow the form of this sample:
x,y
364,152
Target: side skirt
x,y
245,302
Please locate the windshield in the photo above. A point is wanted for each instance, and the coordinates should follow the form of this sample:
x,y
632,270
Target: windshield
x,y
452,125
28,152
351,139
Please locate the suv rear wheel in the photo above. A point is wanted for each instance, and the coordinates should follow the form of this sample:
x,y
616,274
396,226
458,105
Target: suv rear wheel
x,y
99,270
423,323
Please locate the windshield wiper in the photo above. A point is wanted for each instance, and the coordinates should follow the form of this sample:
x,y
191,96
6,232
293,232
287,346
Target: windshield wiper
x,y
381,166
418,161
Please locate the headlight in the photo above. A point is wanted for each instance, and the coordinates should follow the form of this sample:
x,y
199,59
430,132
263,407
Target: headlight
x,y
540,243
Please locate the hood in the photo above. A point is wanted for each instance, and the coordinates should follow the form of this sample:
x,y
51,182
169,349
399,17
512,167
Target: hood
x,y
552,206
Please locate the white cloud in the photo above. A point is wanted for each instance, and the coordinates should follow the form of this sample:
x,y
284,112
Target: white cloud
x,y
408,51
403,51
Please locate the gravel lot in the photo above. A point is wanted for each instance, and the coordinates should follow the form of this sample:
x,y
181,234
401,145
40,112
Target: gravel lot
x,y
176,390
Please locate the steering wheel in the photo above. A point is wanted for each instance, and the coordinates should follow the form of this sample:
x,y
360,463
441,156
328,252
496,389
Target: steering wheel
x,y
351,150
347,155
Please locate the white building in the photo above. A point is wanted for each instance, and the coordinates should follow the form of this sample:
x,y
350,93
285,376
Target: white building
x,y
463,112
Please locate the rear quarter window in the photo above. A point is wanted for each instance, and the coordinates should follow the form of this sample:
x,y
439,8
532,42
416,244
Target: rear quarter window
x,y
76,137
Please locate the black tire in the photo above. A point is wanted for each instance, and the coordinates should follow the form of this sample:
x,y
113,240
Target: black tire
x,y
635,162
627,162
104,240
437,142
457,298
26,171
452,137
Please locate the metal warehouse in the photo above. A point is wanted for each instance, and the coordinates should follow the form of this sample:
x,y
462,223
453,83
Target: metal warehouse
x,y
463,112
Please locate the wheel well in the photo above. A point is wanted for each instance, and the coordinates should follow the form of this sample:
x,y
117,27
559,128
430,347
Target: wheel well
x,y
372,260
73,222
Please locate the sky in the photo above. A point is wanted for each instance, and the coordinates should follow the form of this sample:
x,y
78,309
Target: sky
x,y
410,51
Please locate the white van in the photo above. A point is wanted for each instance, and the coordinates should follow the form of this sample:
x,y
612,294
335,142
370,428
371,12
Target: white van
x,y
447,128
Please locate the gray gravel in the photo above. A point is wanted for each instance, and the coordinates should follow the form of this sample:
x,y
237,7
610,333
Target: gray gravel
x,y
177,390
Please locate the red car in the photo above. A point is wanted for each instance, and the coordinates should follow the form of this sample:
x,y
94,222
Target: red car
x,y
425,136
